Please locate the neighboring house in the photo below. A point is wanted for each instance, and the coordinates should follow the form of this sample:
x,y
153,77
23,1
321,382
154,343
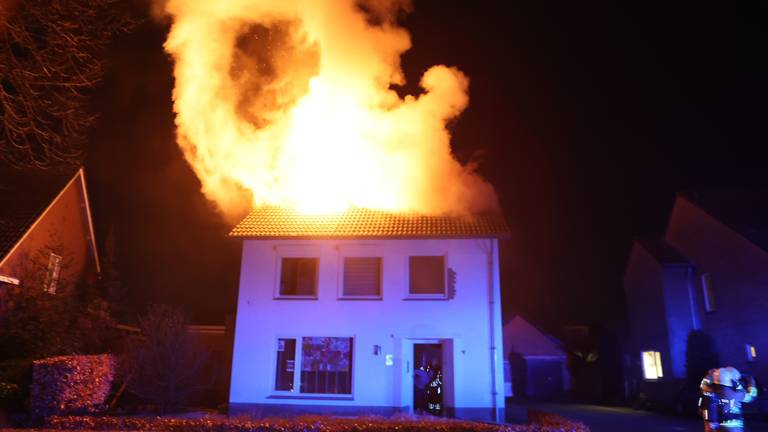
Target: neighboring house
x,y
46,232
538,363
336,313
709,273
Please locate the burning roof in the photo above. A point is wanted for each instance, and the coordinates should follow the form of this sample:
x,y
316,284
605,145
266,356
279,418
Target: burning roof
x,y
281,223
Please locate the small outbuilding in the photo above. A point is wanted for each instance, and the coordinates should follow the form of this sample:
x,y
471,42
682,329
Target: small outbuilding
x,y
537,362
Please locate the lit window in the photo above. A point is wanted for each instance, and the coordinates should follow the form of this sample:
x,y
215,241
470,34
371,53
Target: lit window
x,y
706,289
298,277
52,273
751,353
325,364
362,278
427,276
652,365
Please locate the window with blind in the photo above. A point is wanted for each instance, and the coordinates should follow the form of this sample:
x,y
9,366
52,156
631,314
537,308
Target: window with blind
x,y
362,278
426,276
298,277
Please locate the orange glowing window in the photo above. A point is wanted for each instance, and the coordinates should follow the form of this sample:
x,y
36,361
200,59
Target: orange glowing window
x,y
652,365
751,353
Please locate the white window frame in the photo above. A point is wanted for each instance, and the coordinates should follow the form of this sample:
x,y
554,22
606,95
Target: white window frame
x,y
296,393
411,296
707,293
295,251
655,364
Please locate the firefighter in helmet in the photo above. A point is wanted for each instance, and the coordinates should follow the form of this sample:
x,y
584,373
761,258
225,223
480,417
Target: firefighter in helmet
x,y
722,394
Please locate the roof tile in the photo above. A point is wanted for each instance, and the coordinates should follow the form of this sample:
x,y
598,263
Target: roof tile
x,y
277,222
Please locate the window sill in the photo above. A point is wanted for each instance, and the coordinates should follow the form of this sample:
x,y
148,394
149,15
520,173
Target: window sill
x,y
311,396
356,298
296,297
426,297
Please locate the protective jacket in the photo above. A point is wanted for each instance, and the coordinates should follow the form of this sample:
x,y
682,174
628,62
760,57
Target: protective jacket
x,y
722,395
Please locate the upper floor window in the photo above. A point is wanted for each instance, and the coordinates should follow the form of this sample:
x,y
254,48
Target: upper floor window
x,y
298,277
652,365
706,289
426,276
52,273
362,278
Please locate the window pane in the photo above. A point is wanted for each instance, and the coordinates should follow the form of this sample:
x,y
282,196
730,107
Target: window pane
x,y
298,276
362,276
326,365
427,275
652,365
286,361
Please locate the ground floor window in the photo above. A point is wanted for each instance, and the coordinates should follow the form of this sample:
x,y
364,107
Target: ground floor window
x,y
652,365
325,364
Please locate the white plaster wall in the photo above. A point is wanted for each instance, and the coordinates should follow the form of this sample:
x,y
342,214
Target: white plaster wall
x,y
389,322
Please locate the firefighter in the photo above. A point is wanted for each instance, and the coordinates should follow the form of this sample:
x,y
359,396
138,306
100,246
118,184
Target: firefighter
x,y
722,394
435,391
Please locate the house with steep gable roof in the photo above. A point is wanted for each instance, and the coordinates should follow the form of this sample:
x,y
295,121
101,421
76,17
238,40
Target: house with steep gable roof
x,y
354,313
708,274
46,230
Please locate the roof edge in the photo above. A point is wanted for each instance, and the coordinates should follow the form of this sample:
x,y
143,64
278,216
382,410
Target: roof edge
x,y
40,217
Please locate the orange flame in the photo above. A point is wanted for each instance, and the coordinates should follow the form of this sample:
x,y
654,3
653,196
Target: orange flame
x,y
289,103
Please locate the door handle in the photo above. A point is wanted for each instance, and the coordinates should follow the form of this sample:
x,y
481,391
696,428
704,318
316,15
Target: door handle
x,y
407,366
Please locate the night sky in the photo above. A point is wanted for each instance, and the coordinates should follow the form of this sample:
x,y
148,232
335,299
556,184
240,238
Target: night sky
x,y
587,117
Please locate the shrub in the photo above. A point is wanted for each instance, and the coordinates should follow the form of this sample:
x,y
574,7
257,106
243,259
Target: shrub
x,y
309,423
15,378
70,384
553,422
165,364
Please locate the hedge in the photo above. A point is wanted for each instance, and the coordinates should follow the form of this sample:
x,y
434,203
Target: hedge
x,y
545,423
71,384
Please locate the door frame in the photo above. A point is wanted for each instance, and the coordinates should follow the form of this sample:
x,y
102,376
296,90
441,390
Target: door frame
x,y
449,374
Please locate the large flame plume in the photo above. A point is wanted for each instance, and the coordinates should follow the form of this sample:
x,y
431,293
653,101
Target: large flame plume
x,y
289,103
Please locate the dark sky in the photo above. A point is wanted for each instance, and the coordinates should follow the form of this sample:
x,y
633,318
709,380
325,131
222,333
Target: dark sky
x,y
586,116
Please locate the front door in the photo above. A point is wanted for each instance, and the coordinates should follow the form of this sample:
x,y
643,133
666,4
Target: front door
x,y
428,377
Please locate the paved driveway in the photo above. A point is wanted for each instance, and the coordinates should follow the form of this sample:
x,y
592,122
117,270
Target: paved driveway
x,y
613,419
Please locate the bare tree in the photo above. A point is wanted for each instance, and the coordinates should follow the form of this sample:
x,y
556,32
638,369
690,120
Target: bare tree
x,y
165,364
51,57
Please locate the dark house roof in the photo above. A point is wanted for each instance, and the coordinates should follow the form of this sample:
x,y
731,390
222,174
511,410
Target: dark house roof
x,y
24,196
281,223
745,212
661,251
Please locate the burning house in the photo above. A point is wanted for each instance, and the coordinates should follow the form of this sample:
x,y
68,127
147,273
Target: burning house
x,y
370,259
345,313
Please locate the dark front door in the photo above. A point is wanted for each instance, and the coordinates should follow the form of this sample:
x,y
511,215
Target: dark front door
x,y
428,378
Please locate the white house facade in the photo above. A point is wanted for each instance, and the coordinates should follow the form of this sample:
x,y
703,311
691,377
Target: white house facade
x,y
337,314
